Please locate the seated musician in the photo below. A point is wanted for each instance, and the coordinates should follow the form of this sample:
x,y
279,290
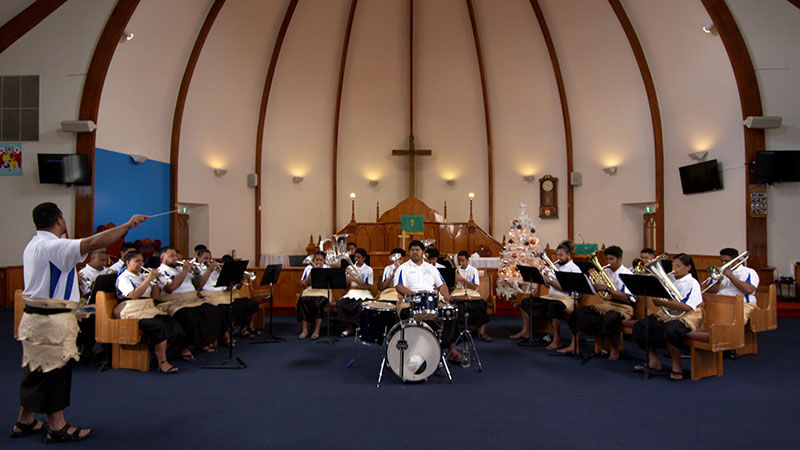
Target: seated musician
x,y
86,278
604,319
311,305
388,292
647,254
416,275
360,282
136,292
119,266
553,305
202,323
242,310
666,331
432,257
742,280
466,296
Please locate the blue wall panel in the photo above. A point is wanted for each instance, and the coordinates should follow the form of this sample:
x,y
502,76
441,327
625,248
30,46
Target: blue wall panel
x,y
123,188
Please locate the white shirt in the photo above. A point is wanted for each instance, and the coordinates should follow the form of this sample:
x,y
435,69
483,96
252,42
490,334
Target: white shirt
x,y
365,273
307,271
568,267
90,274
167,271
746,274
118,266
470,274
388,272
212,282
689,289
423,277
49,267
128,281
618,283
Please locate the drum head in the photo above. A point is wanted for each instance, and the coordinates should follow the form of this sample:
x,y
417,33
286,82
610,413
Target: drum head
x,y
380,306
422,353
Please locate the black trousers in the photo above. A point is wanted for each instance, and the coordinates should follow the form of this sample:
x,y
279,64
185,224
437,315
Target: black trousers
x,y
241,311
543,308
86,336
311,308
160,328
201,324
588,320
476,309
46,392
658,333
349,310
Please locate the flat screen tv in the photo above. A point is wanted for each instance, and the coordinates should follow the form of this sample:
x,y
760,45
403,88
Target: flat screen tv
x,y
64,169
701,177
777,166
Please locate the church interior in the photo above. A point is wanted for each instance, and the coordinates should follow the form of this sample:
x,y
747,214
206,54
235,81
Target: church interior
x,y
264,129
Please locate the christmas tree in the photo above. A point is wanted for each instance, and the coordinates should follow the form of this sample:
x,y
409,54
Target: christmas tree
x,y
520,249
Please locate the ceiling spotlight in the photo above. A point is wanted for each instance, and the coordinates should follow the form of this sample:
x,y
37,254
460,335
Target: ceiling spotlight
x,y
708,27
127,35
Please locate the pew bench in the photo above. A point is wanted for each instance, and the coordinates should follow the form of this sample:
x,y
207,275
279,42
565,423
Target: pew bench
x,y
127,350
763,318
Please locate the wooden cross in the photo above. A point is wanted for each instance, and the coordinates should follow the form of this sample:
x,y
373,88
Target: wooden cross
x,y
412,154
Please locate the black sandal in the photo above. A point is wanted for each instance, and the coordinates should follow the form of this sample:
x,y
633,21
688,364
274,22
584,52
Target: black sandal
x,y
63,436
27,429
172,369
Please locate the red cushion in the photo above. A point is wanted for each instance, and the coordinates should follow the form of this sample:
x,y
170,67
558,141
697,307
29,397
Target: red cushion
x,y
701,336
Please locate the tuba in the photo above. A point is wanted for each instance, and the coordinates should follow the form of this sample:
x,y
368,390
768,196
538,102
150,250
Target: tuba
x,y
600,276
715,273
550,269
655,268
338,252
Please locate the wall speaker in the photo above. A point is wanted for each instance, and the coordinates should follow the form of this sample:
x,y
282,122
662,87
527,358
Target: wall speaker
x,y
78,126
575,178
763,121
252,180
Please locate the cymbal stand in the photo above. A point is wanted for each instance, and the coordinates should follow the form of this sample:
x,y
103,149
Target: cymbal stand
x,y
469,343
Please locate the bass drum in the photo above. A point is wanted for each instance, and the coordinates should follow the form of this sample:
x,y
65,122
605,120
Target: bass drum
x,y
412,350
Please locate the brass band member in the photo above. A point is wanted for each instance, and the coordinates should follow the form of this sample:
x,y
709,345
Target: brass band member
x,y
242,310
388,292
743,280
417,275
666,331
360,283
87,276
432,257
311,305
51,294
604,319
553,305
119,266
467,297
136,292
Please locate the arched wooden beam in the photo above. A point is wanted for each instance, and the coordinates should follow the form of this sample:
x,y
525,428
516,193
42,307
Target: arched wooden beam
x,y
342,64
26,20
795,2
262,116
562,95
90,105
486,115
177,117
750,99
655,117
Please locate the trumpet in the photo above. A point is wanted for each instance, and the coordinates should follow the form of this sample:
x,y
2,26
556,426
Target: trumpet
x,y
638,267
395,258
715,273
600,276
249,277
160,281
655,268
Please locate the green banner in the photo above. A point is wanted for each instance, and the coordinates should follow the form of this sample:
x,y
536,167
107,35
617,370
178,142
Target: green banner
x,y
412,224
585,249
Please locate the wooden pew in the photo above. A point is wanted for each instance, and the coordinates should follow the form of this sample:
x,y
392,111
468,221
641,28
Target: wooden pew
x,y
127,350
724,330
763,318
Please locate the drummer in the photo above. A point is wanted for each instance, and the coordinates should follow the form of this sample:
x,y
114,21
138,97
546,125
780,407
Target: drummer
x,y
417,275
466,294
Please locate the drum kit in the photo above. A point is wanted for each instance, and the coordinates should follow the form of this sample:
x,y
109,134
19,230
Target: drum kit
x,y
412,349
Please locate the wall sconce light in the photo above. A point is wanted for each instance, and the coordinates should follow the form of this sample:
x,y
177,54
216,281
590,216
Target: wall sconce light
x,y
709,27
450,182
698,156
373,183
610,170
138,159
529,178
297,180
220,172
127,35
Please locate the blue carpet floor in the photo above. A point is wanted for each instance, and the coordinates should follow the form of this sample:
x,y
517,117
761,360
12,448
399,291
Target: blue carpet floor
x,y
302,395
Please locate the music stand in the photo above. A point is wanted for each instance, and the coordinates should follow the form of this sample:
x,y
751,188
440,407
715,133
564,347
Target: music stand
x,y
328,279
104,283
531,275
575,282
646,286
231,275
271,274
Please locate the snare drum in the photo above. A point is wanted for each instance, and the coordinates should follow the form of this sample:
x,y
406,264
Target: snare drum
x,y
376,318
424,305
412,350
448,312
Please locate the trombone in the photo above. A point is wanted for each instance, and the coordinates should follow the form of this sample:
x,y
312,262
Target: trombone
x,y
715,273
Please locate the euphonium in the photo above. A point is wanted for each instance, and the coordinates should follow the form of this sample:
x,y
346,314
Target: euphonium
x,y
600,276
550,269
638,267
338,252
655,268
715,273
308,260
